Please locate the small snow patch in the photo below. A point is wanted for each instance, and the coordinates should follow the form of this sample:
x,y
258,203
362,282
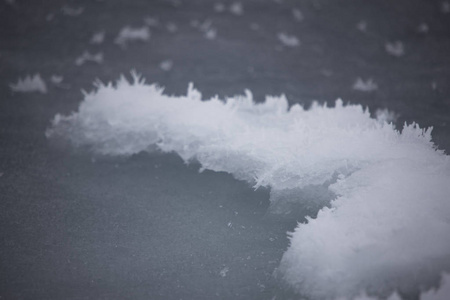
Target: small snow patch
x,y
362,26
298,15
72,12
98,38
219,7
152,22
128,34
423,28
395,48
385,115
211,33
224,271
172,27
237,9
254,26
166,65
86,56
56,79
29,84
207,29
365,86
445,7
288,40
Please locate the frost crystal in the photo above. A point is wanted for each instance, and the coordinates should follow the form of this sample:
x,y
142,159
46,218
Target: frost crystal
x,y
29,84
98,38
298,15
395,49
365,86
72,12
237,9
387,228
86,56
128,34
288,40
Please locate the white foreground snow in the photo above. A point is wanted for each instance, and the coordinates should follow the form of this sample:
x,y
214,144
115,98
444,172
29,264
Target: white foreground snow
x,y
387,229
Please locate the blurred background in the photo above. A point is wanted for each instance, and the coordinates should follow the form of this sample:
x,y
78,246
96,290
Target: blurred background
x,y
73,226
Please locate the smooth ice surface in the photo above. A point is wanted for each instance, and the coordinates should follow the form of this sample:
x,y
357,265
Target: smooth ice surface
x,y
387,229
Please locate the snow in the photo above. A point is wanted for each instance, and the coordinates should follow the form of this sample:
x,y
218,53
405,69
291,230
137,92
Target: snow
x,y
72,12
365,86
98,38
386,229
29,84
362,26
206,28
423,28
237,9
56,79
445,7
442,293
395,48
166,65
152,22
172,27
288,40
219,7
87,56
128,34
298,15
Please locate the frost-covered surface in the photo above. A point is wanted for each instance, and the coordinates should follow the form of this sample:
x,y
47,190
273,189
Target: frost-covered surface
x,y
29,84
387,228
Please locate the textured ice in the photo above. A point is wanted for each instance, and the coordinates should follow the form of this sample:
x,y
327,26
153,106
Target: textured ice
x,y
29,84
387,229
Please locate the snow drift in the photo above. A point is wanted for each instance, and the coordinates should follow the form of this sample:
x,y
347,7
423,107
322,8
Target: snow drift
x,y
387,228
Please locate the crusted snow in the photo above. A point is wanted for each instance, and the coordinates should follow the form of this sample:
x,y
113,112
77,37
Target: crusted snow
x,y
387,229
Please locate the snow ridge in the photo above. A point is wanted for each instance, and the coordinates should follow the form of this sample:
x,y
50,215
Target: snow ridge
x,y
388,228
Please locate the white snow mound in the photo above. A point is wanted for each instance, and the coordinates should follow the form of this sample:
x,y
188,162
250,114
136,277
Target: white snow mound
x,y
386,231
